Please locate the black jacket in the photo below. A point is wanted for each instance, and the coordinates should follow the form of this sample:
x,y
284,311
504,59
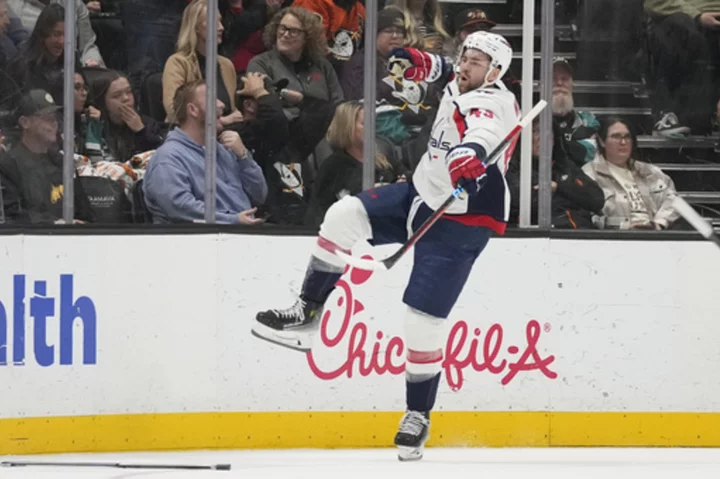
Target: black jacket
x,y
32,188
340,175
576,199
268,133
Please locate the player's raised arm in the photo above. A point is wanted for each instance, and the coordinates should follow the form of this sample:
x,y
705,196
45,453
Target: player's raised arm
x,y
417,65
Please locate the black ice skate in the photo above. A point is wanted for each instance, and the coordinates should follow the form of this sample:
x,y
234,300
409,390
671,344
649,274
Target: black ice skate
x,y
410,439
292,327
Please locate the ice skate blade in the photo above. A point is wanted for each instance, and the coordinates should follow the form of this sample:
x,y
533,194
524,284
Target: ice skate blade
x,y
409,454
297,339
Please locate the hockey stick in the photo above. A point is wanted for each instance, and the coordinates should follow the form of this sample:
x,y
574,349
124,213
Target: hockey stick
x,y
118,465
695,220
492,158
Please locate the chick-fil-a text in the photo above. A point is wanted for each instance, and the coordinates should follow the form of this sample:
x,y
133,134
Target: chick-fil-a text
x,y
381,354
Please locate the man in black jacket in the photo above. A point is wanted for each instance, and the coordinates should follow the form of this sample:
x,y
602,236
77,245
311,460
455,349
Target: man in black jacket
x,y
575,196
265,128
32,171
280,146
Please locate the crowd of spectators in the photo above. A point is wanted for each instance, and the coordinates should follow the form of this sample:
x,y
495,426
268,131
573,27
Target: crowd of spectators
x,y
289,110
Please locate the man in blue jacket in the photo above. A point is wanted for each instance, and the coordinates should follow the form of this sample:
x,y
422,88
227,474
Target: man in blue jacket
x,y
174,184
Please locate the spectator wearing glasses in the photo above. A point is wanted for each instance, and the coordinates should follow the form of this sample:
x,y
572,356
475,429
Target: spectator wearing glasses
x,y
343,22
414,102
638,195
296,56
390,34
296,52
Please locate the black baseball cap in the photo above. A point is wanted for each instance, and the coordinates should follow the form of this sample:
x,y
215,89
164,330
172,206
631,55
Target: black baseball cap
x,y
38,102
471,16
390,17
562,63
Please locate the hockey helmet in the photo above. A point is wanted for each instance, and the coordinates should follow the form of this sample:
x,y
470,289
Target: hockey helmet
x,y
493,45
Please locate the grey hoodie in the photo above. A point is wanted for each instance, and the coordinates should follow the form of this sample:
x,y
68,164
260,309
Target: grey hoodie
x,y
174,183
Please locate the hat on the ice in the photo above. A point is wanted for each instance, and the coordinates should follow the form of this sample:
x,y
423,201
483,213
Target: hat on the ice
x,y
471,16
37,102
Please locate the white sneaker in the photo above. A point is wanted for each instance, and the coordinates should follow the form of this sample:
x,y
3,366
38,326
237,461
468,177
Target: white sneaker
x,y
669,126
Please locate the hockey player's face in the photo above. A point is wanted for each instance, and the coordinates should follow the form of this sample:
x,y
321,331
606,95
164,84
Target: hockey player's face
x,y
474,66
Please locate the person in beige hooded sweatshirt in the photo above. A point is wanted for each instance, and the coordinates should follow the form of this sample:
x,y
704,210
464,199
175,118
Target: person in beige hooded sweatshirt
x,y
638,195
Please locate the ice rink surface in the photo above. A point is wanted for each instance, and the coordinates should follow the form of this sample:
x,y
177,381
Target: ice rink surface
x,y
382,463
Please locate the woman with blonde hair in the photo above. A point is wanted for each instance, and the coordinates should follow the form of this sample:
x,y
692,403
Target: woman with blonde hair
x,y
187,65
424,25
341,173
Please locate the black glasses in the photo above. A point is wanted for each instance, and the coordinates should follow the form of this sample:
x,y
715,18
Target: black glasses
x,y
394,31
292,32
81,87
619,137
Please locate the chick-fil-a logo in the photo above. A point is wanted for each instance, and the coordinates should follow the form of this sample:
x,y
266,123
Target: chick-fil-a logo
x,y
387,355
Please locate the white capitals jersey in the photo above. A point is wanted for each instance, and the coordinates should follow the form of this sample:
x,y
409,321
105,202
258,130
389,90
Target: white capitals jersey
x,y
481,117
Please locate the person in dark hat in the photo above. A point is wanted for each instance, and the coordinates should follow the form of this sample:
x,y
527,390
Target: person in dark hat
x,y
32,171
408,105
574,131
390,34
470,20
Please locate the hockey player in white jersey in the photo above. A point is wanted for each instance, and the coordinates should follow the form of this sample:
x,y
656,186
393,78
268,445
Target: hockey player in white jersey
x,y
475,115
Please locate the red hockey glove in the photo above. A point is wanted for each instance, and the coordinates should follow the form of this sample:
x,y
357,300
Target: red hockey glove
x,y
416,65
467,170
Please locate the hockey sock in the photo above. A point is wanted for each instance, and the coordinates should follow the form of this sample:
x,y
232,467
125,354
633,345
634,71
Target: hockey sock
x,y
420,396
345,223
323,271
425,336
